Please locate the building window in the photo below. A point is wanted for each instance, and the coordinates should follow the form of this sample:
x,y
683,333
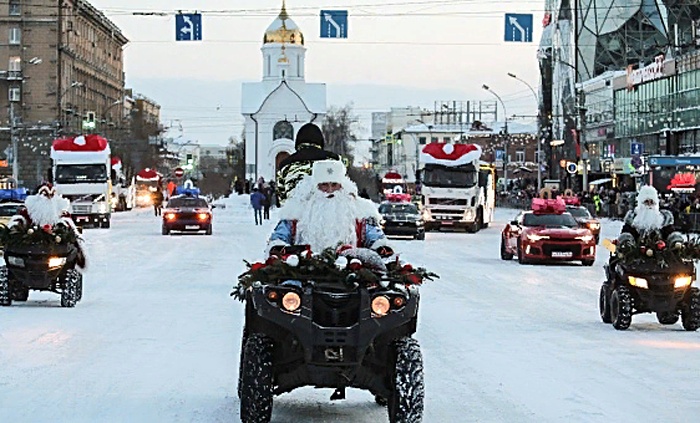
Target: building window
x,y
422,140
269,67
283,129
15,8
520,156
14,94
15,36
299,66
283,75
433,140
15,64
446,140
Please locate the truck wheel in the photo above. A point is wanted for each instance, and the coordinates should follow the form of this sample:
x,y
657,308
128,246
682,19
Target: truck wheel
x,y
166,231
106,224
667,318
5,294
69,293
256,380
604,303
407,396
588,263
504,253
621,308
691,313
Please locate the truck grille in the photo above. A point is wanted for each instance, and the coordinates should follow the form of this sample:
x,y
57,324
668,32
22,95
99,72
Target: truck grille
x,y
448,201
447,211
81,209
340,311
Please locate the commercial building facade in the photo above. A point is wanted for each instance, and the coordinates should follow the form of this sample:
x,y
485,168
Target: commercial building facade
x,y
64,66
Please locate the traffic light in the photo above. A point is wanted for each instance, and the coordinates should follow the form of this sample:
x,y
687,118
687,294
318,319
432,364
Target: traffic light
x,y
189,159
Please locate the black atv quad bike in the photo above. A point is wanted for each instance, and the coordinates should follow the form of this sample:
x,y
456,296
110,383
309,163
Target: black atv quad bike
x,y
329,335
649,289
41,268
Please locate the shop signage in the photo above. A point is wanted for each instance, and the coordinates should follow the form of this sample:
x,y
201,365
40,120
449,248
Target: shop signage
x,y
647,73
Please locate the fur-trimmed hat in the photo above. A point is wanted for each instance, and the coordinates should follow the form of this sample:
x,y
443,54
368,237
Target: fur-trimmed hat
x,y
47,190
325,171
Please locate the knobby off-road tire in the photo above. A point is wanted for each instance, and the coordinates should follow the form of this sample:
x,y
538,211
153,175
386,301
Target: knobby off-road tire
x,y
406,400
667,318
21,294
5,294
621,308
504,253
256,381
244,339
691,314
71,285
604,304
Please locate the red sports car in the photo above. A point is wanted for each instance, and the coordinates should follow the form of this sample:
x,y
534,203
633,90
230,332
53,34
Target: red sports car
x,y
535,236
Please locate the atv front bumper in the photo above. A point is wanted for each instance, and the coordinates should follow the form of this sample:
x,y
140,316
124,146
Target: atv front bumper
x,y
330,357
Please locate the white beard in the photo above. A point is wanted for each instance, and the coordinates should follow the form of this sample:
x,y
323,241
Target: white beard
x,y
648,220
43,210
326,222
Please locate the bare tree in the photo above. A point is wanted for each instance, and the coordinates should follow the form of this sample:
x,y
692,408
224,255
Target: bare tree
x,y
339,128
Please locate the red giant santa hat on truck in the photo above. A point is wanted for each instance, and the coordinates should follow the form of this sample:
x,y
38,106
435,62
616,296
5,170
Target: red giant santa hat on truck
x,y
89,145
451,154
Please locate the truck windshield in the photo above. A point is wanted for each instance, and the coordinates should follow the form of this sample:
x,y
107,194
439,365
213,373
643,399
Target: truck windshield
x,y
564,219
76,174
450,177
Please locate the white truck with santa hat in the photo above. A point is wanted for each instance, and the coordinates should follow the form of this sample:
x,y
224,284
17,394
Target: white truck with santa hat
x,y
81,174
457,189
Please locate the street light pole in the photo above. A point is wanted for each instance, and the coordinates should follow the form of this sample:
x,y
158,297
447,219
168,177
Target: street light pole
x,y
539,141
505,141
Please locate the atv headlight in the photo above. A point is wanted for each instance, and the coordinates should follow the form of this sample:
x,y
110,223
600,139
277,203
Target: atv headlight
x,y
15,261
533,237
682,281
585,238
380,306
55,262
638,282
291,302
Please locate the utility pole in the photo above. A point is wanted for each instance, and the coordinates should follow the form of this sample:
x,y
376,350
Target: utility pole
x,y
539,141
582,109
13,138
505,141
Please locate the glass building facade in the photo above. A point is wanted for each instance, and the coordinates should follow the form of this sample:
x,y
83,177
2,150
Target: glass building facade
x,y
663,114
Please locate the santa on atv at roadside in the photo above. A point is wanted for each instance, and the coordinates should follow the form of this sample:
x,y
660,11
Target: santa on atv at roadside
x,y
44,211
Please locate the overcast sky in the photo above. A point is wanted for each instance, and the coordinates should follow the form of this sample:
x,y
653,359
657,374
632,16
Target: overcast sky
x,y
390,59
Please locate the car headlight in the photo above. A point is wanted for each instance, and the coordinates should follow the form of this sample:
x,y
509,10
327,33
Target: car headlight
x,y
382,222
594,226
682,281
380,306
638,282
427,215
533,237
55,262
15,261
170,216
291,302
585,238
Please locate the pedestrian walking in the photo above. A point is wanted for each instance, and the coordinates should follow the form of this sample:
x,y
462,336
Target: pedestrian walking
x,y
267,203
158,201
256,200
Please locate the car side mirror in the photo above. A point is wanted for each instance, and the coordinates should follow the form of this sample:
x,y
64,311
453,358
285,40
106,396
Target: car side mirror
x,y
514,223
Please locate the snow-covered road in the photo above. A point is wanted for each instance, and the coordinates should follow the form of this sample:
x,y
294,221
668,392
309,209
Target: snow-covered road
x,y
157,337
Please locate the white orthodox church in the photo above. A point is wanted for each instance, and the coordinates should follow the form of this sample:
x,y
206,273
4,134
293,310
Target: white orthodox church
x,y
283,102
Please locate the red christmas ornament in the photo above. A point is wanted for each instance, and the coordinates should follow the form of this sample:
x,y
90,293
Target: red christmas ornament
x,y
271,260
47,228
643,249
415,279
660,245
342,248
407,267
355,266
257,266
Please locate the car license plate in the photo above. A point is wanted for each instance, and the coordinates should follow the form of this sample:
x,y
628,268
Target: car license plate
x,y
192,227
82,218
446,222
401,224
562,254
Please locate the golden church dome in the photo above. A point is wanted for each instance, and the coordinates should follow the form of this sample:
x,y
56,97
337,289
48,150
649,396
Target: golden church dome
x,y
283,30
